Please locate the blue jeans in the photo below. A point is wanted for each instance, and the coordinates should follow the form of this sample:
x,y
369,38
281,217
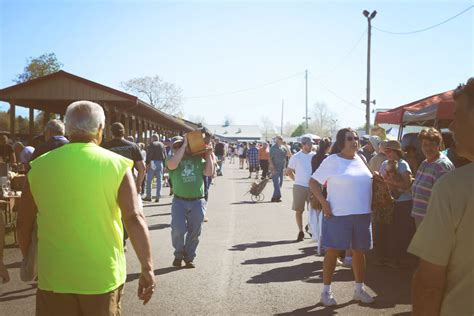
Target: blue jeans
x,y
155,170
277,177
186,224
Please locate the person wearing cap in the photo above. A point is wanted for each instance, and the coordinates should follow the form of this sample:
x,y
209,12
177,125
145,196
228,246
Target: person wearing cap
x,y
79,213
300,170
188,206
278,154
368,151
443,284
393,239
155,157
380,157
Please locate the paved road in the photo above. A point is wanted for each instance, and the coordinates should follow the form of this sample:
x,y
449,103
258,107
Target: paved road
x,y
247,264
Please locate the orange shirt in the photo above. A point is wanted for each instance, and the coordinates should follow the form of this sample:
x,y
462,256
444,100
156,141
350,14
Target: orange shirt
x,y
263,154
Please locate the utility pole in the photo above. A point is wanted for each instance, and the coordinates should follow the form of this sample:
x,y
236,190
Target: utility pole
x,y
367,101
281,126
306,79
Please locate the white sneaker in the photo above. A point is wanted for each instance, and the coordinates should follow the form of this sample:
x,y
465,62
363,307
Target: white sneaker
x,y
327,299
363,297
339,263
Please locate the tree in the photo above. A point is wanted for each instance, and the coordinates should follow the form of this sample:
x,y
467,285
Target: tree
x,y
228,120
324,122
267,127
164,96
288,129
37,67
298,131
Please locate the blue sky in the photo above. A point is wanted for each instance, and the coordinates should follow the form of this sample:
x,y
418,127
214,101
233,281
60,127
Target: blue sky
x,y
217,47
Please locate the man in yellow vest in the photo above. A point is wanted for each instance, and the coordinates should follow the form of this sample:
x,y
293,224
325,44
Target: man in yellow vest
x,y
78,195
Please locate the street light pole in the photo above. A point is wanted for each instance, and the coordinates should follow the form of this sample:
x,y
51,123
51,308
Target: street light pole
x,y
306,79
367,100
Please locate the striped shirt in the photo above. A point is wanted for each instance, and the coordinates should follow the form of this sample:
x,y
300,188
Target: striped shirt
x,y
428,173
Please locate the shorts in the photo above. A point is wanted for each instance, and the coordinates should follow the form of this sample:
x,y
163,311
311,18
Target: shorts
x,y
254,168
347,232
300,197
242,156
50,303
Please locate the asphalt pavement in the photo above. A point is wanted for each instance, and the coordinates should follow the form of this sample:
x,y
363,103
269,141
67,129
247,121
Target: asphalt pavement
x,y
248,263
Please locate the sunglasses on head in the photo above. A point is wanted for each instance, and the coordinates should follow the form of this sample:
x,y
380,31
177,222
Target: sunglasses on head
x,y
351,138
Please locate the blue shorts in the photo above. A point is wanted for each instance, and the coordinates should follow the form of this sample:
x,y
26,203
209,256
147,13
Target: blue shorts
x,y
347,232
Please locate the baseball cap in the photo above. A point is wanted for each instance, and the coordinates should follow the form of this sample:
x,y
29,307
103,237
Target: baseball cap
x,y
306,140
177,139
393,145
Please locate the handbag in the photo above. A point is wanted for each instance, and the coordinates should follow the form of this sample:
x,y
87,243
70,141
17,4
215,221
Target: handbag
x,y
382,201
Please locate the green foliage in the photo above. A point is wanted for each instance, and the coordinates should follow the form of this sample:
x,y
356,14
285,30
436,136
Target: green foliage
x,y
300,130
41,66
22,123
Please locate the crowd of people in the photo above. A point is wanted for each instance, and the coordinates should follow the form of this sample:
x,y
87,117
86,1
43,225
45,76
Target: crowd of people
x,y
68,226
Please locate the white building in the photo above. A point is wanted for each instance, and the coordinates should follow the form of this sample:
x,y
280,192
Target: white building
x,y
236,133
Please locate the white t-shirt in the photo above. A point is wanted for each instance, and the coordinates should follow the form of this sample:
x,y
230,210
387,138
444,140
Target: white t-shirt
x,y
349,185
240,151
301,163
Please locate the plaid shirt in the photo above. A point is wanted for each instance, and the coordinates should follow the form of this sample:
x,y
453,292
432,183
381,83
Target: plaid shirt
x,y
252,154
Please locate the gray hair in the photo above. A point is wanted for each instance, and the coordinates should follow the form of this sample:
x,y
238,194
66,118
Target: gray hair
x,y
55,127
84,118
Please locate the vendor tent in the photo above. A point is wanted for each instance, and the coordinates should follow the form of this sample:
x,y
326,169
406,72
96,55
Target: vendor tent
x,y
434,110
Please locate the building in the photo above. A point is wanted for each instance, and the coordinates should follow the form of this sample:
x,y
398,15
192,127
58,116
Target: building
x,y
236,133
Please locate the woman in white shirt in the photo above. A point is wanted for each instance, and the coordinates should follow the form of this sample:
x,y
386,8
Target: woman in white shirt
x,y
347,211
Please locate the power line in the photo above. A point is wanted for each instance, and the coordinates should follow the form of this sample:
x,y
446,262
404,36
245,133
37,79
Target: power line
x,y
427,28
349,52
336,95
246,89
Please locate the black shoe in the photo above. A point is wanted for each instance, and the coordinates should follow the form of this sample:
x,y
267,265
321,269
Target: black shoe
x,y
157,200
171,193
177,262
146,199
306,228
189,265
300,236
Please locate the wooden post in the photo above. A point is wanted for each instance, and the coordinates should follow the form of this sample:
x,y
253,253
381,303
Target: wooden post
x,y
12,120
127,124
134,127
31,126
46,116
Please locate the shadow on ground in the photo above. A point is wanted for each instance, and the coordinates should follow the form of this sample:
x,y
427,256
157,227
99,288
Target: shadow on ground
x,y
158,226
164,214
134,276
6,295
260,244
391,287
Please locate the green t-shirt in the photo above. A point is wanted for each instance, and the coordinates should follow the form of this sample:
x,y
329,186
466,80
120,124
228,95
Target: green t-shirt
x,y
188,179
80,246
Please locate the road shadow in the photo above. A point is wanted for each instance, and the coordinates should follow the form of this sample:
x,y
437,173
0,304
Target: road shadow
x,y
305,252
156,204
163,214
260,244
134,276
317,309
250,202
158,226
13,265
5,297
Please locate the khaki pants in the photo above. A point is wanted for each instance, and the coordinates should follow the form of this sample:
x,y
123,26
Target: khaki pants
x,y
60,304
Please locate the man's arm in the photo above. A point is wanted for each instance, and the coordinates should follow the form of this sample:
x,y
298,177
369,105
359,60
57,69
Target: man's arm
x,y
26,218
141,168
138,233
427,288
173,163
209,167
290,173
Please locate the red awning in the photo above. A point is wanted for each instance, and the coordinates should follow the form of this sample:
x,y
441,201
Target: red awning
x,y
436,107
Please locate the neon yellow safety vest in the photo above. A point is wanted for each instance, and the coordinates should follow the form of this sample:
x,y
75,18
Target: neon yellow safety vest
x,y
80,246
